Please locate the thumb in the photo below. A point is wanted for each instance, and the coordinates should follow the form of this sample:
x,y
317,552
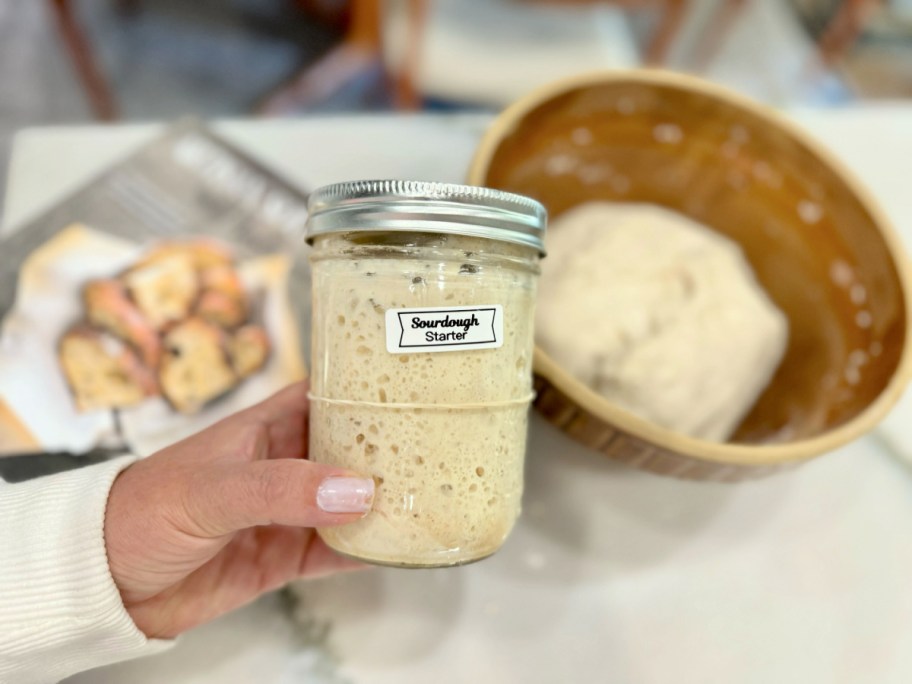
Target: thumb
x,y
289,491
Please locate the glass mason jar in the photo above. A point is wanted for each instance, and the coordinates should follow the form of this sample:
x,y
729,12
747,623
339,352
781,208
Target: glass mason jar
x,y
423,309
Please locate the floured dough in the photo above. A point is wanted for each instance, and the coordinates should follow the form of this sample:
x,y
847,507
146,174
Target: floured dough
x,y
659,314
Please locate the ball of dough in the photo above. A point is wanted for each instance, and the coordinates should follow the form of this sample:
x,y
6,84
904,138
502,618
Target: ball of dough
x,y
660,315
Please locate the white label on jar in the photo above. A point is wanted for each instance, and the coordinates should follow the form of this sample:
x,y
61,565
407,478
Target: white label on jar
x,y
440,329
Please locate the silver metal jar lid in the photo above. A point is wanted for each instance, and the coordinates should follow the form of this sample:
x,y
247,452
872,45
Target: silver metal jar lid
x,y
426,207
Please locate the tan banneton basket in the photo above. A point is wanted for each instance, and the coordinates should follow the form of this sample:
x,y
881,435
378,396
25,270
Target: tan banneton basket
x,y
802,220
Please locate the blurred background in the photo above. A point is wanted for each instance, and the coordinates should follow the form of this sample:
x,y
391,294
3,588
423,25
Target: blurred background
x,y
66,61
645,555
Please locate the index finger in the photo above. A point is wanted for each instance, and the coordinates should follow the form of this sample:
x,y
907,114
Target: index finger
x,y
284,415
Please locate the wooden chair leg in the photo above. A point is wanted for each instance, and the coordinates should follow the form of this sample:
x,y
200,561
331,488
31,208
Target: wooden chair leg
x,y
719,25
79,48
664,35
405,83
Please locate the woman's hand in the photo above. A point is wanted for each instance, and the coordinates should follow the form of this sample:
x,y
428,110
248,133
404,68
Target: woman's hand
x,y
207,525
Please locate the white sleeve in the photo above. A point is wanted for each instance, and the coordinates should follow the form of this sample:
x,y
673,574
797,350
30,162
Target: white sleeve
x,y
60,611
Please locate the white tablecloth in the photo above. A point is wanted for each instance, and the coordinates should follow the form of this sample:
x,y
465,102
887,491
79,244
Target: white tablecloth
x,y
612,575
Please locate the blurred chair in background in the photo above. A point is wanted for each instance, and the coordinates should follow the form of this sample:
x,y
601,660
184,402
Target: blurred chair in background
x,y
223,48
450,52
488,52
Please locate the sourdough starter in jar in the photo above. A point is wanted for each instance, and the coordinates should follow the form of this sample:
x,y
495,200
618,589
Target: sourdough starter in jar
x,y
422,377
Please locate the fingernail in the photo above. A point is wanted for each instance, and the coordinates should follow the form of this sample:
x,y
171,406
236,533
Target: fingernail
x,y
345,495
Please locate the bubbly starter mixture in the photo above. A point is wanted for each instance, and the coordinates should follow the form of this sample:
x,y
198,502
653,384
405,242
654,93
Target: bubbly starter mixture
x,y
442,433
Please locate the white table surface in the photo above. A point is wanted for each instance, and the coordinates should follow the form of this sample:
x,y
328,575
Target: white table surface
x,y
612,575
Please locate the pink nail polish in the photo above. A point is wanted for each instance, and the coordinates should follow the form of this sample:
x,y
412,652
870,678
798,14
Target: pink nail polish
x,y
345,495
